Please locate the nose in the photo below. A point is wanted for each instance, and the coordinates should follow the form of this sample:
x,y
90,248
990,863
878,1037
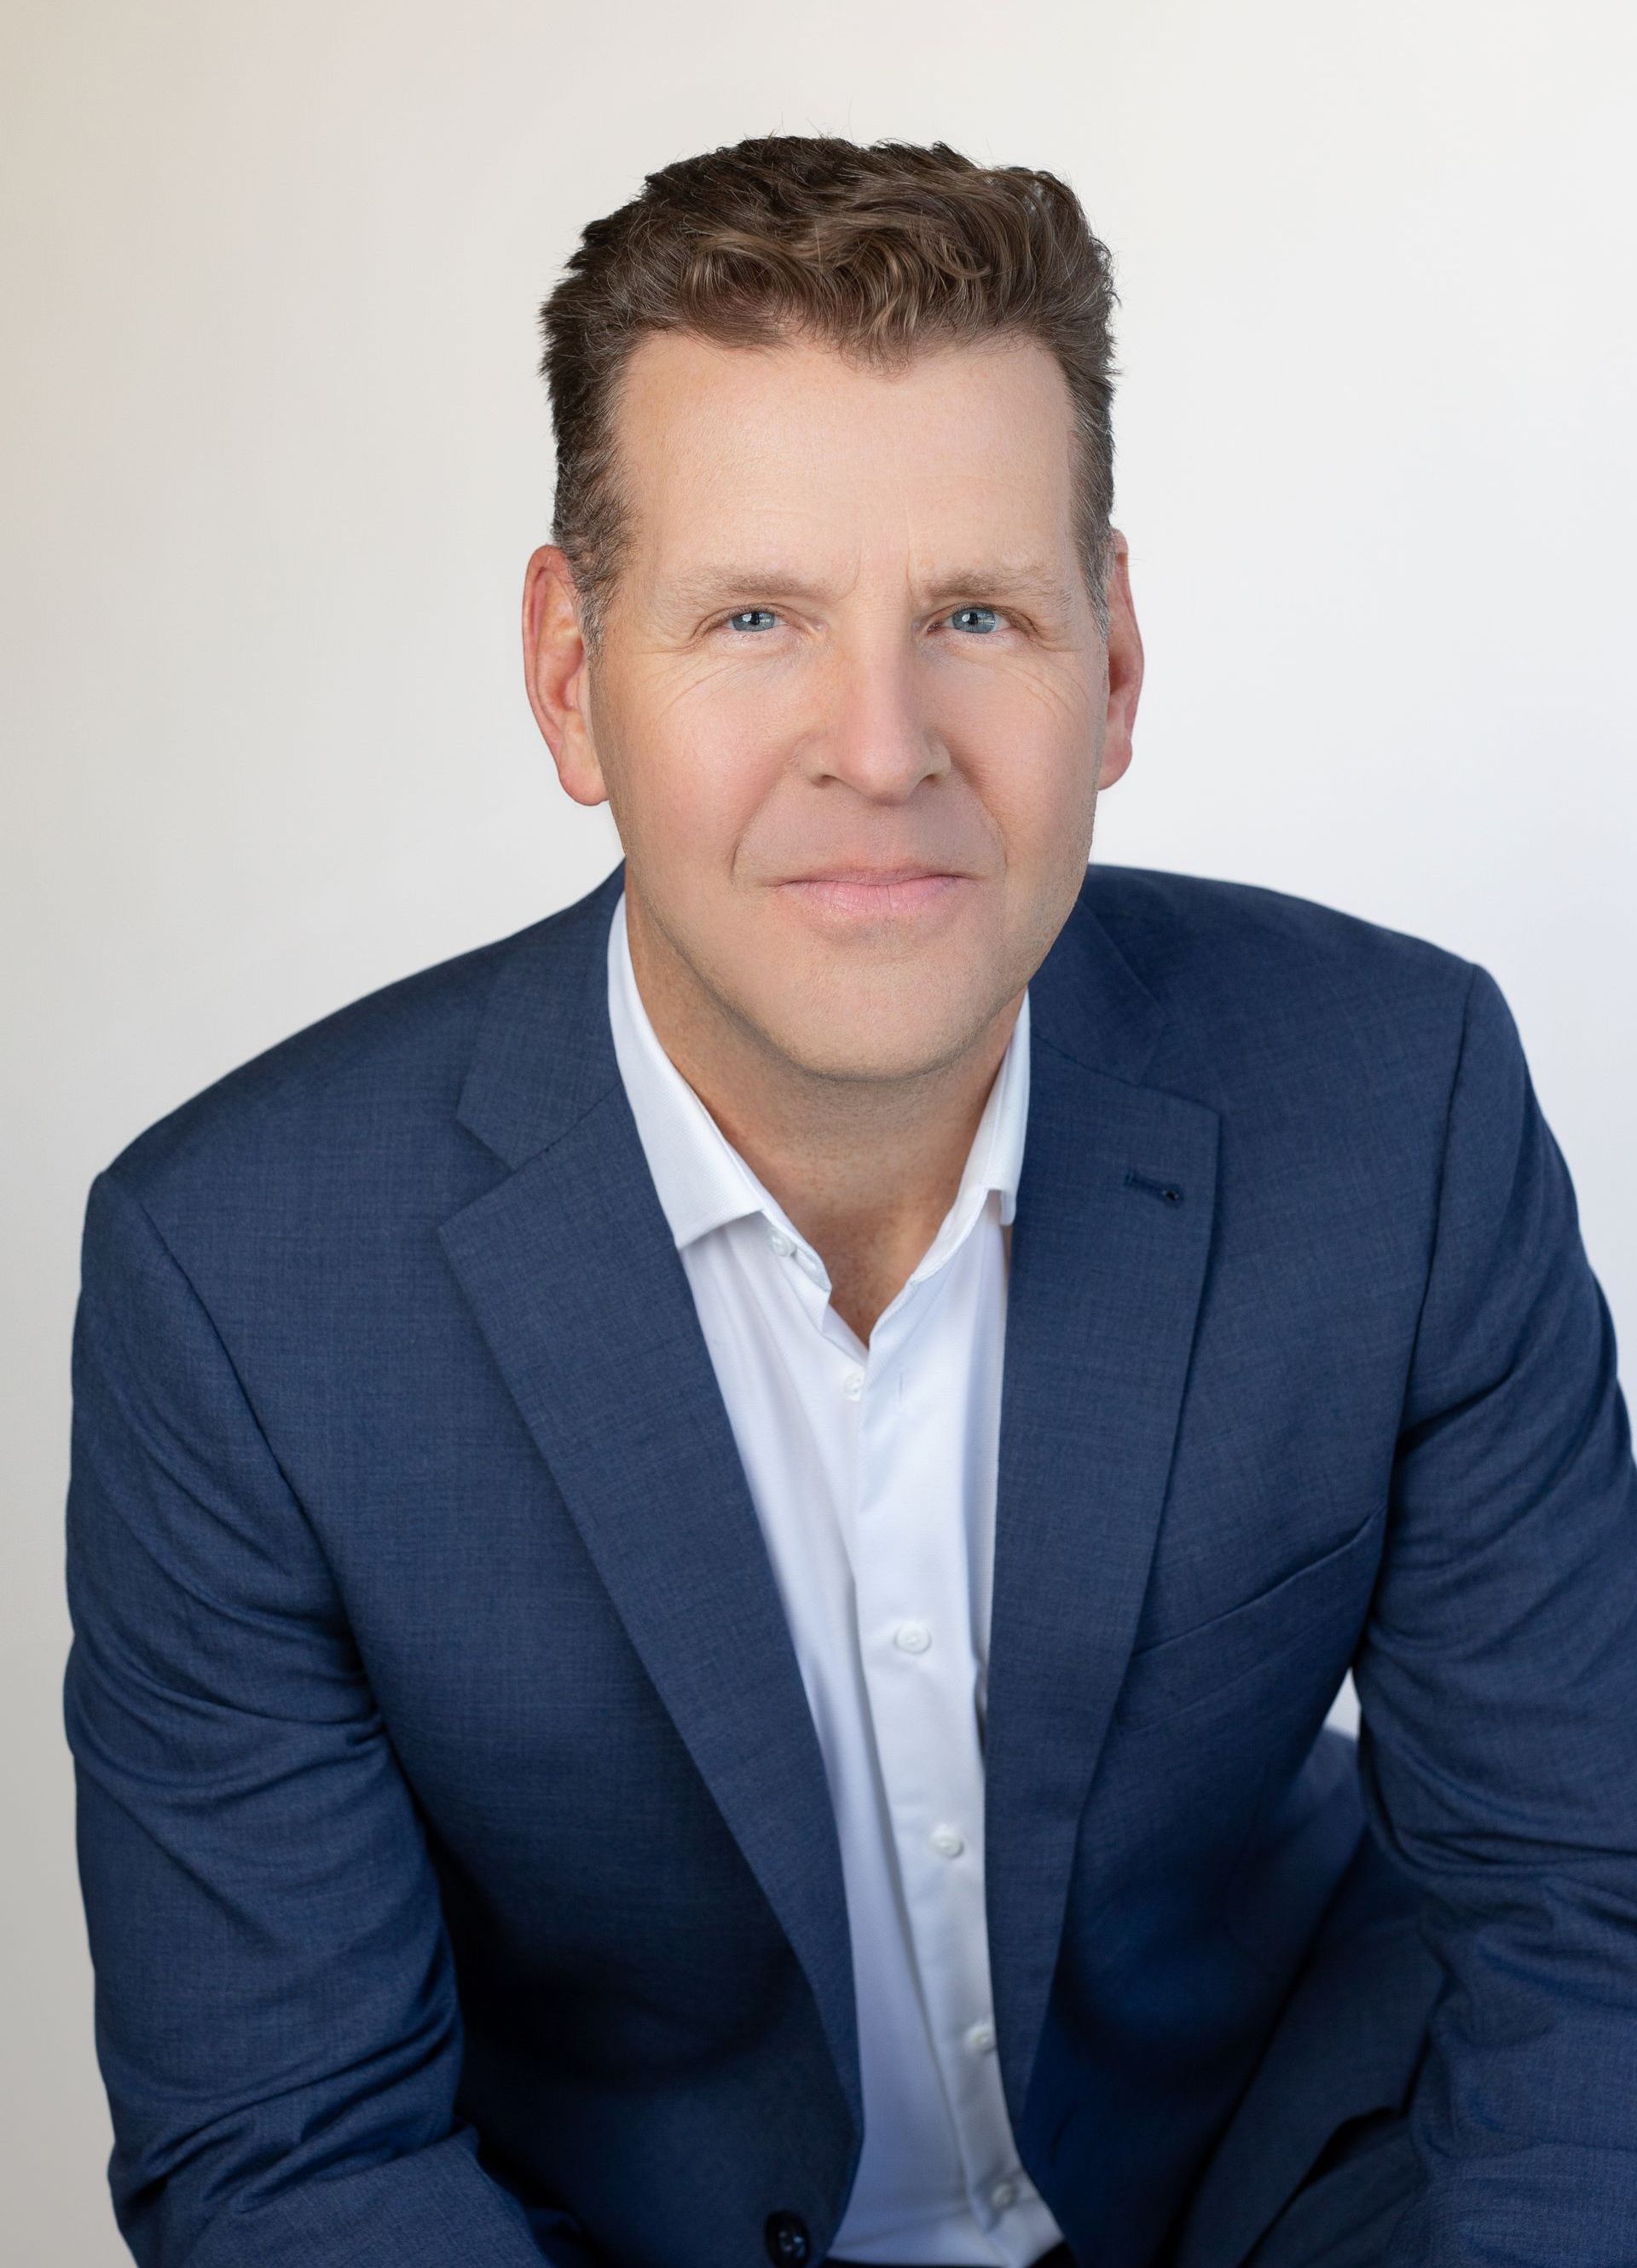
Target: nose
x,y
876,733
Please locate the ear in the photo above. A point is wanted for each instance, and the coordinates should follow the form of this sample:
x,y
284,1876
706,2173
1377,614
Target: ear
x,y
556,673
1125,662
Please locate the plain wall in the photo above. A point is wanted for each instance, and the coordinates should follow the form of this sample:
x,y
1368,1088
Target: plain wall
x,y
275,454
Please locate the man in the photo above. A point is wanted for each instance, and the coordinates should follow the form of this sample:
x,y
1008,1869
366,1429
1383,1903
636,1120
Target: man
x,y
709,1546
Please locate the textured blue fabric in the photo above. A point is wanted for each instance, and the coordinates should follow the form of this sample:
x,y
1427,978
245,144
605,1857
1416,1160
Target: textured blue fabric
x,y
460,1875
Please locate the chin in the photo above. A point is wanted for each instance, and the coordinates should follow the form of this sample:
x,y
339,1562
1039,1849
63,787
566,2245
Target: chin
x,y
866,1046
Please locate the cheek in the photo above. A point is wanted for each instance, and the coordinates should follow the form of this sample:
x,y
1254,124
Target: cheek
x,y
697,789
1030,753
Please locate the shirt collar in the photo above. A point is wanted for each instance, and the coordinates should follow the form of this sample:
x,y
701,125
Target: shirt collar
x,y
703,1182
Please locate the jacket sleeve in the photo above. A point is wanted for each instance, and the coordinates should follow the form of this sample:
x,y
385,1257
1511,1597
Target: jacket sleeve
x,y
276,2021
1497,1683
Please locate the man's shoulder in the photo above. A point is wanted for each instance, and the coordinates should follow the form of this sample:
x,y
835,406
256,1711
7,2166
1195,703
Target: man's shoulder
x,y
1264,992
366,1093
1188,927
1201,935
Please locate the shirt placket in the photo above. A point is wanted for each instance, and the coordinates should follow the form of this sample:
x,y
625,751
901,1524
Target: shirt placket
x,y
912,1585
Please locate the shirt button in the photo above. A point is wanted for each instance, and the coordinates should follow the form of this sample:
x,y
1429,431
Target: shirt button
x,y
946,1843
914,1637
779,1241
981,2039
1002,2194
853,1385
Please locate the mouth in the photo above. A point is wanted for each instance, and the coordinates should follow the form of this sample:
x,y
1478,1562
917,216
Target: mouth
x,y
880,893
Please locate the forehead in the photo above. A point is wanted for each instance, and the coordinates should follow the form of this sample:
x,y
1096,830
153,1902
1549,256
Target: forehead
x,y
793,445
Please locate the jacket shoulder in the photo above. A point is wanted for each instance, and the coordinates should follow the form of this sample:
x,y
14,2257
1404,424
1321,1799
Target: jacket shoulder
x,y
1180,921
1274,1001
1203,937
368,1083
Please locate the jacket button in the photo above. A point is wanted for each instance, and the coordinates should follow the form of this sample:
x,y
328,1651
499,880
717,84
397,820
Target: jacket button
x,y
786,2237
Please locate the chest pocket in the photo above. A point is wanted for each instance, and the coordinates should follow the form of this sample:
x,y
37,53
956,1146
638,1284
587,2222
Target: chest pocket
x,y
1304,1611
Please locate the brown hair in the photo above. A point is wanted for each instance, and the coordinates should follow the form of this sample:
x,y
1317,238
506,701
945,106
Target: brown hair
x,y
874,251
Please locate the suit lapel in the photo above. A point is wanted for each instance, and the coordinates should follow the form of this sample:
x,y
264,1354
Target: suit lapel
x,y
1104,1290
570,1268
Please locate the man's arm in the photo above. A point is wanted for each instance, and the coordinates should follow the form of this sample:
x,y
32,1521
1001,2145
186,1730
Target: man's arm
x,y
276,2013
1497,1689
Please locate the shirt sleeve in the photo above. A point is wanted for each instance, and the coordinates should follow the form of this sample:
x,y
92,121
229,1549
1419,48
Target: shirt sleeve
x,y
1497,1683
276,2021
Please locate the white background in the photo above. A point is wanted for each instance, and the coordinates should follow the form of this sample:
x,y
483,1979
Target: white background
x,y
275,454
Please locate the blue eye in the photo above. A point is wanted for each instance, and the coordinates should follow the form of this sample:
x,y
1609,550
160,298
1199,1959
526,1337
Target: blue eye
x,y
986,627
743,611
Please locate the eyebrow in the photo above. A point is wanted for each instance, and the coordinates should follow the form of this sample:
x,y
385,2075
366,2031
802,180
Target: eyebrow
x,y
708,585
1021,578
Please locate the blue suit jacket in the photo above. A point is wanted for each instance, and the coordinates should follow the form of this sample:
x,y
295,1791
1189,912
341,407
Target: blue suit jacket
x,y
461,1881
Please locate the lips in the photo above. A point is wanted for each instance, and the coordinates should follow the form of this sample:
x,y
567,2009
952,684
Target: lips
x,y
876,894
880,877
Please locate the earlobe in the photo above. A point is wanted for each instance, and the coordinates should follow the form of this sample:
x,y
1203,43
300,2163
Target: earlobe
x,y
555,675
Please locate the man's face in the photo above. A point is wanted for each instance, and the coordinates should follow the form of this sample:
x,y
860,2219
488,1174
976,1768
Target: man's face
x,y
852,703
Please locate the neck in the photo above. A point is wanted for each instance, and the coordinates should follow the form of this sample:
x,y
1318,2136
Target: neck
x,y
865,1168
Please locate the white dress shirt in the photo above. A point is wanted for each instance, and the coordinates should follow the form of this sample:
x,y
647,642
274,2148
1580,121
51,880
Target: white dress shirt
x,y
873,1474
